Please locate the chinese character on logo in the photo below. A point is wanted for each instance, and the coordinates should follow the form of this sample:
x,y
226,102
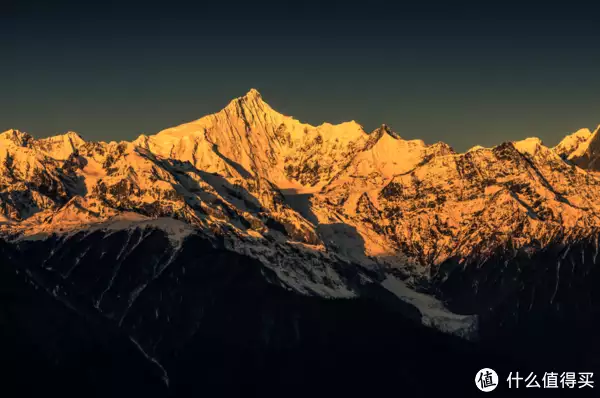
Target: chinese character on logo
x,y
567,380
585,379
486,379
531,381
514,378
550,380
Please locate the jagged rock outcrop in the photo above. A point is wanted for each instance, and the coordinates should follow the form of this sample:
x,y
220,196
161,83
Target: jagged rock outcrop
x,y
306,200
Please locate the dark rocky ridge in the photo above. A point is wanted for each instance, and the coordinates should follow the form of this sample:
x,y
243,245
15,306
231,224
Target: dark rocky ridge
x,y
225,329
543,301
62,347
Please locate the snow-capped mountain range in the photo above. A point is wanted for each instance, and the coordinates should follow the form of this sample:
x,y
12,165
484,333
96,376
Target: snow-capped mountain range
x,y
310,202
247,234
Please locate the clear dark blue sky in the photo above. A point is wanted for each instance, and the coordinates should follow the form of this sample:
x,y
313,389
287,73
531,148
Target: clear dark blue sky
x,y
463,73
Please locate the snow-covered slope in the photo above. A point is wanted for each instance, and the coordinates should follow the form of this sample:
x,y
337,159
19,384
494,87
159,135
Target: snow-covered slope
x,y
587,153
468,204
310,202
249,138
571,142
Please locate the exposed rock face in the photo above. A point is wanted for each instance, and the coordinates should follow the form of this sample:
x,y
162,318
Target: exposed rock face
x,y
154,236
587,154
570,143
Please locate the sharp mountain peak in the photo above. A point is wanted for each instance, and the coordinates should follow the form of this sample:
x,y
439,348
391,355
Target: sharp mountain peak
x,y
251,108
251,99
384,129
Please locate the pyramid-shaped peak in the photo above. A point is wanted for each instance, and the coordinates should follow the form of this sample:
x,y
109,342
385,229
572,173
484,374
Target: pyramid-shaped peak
x,y
385,127
74,136
70,135
530,141
252,99
529,145
69,139
251,106
385,130
253,94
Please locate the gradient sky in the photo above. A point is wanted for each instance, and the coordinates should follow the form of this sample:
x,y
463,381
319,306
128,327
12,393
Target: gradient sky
x,y
463,73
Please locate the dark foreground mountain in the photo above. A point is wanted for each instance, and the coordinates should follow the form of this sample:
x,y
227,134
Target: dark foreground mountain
x,y
214,323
